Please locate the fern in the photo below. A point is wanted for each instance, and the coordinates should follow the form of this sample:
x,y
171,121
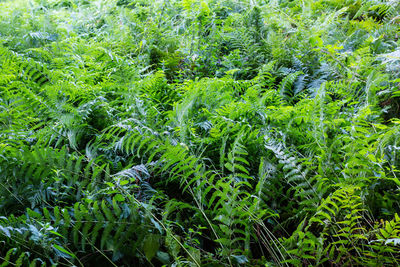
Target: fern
x,y
199,133
286,87
307,189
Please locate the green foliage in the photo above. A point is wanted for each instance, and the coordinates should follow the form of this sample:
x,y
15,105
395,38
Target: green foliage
x,y
191,133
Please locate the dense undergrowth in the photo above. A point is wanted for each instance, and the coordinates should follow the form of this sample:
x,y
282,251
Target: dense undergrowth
x,y
199,133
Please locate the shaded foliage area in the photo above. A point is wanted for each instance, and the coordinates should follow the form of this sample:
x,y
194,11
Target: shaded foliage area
x,y
199,133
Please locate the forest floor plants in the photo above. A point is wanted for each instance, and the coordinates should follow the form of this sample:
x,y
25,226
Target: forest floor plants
x,y
199,133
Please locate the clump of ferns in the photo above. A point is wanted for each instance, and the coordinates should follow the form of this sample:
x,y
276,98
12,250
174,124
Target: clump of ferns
x,y
302,182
